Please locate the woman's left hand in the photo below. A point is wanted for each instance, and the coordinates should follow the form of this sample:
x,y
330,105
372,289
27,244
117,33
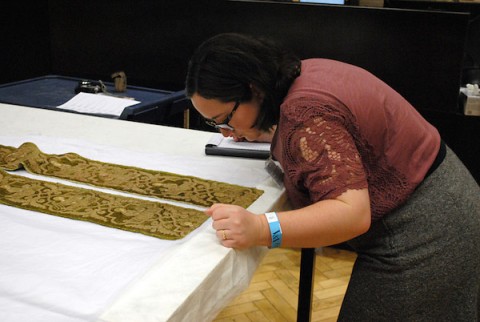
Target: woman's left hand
x,y
238,228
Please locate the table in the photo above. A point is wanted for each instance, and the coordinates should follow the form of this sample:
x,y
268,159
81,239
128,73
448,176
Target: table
x,y
55,269
50,91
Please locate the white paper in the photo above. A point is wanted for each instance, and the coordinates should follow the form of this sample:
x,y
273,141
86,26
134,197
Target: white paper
x,y
97,104
229,143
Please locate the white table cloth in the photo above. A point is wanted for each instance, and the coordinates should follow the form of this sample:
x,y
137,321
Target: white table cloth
x,y
54,269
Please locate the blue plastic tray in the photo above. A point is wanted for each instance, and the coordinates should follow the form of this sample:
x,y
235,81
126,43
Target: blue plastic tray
x,y
50,91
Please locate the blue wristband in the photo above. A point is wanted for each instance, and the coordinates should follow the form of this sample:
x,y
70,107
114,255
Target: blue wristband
x,y
275,229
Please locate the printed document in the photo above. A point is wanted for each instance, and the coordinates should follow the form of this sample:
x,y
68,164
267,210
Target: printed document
x,y
220,141
219,145
98,104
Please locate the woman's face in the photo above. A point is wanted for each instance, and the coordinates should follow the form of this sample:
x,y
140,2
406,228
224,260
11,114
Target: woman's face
x,y
241,121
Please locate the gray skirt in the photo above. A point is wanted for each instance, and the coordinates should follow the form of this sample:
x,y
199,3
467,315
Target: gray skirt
x,y
422,261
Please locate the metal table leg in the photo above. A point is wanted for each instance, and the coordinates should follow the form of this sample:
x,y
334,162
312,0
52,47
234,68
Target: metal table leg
x,y
305,289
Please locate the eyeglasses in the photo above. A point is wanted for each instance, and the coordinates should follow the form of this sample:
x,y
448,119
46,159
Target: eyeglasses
x,y
224,125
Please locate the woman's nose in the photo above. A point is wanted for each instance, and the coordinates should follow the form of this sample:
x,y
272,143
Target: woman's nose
x,y
226,133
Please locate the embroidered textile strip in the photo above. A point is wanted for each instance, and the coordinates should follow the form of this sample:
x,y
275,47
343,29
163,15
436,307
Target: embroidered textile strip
x,y
160,184
150,218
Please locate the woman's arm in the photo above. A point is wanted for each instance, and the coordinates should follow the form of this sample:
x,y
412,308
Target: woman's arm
x,y
323,223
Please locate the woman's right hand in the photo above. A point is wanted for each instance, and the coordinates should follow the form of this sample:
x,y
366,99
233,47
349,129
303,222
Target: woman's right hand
x,y
238,228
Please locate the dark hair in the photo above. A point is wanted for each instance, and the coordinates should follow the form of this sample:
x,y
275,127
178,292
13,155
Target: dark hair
x,y
225,67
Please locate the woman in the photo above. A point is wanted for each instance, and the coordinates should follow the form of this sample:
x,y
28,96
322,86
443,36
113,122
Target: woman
x,y
360,166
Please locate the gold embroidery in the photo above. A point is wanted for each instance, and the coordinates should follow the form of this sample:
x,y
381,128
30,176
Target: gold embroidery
x,y
146,217
151,183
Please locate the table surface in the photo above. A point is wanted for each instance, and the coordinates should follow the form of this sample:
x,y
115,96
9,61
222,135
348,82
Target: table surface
x,y
51,91
56,269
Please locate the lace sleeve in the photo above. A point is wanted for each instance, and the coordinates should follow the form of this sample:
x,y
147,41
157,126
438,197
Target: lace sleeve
x,y
323,158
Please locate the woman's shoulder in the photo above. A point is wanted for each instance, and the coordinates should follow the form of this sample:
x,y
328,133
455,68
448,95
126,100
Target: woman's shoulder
x,y
326,63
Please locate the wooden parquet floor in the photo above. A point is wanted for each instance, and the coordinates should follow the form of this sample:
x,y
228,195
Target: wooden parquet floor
x,y
273,291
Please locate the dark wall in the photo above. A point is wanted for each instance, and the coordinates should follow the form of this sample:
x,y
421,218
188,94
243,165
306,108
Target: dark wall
x,y
415,52
471,64
149,40
25,39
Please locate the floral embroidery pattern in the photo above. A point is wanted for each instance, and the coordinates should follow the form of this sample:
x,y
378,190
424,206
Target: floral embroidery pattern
x,y
157,219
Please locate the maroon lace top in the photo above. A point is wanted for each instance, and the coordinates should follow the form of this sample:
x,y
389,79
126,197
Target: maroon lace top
x,y
342,128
